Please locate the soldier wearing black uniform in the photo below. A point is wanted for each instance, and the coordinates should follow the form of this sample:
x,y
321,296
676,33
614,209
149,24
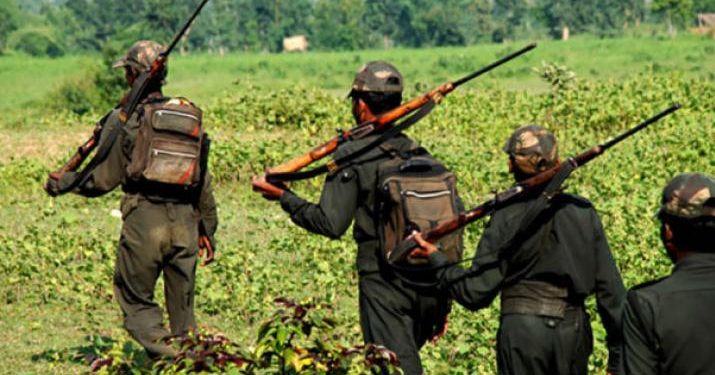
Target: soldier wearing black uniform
x,y
544,272
391,313
668,325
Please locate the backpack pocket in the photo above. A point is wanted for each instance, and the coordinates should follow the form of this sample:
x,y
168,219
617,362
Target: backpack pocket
x,y
418,201
172,162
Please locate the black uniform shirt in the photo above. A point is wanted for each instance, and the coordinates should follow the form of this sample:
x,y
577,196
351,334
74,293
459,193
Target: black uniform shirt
x,y
567,248
348,194
669,325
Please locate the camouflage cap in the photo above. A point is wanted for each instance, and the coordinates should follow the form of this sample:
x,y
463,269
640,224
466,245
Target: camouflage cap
x,y
377,76
689,196
141,55
533,149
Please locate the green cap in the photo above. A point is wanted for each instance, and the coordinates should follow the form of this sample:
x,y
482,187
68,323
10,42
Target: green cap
x,y
533,148
377,76
689,196
141,55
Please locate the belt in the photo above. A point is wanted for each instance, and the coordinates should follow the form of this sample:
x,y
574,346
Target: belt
x,y
535,298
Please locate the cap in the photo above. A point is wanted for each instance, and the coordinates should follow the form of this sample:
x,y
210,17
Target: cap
x,y
377,76
689,196
141,55
533,148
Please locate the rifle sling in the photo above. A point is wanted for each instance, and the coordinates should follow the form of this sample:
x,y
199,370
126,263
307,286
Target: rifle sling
x,y
99,156
345,161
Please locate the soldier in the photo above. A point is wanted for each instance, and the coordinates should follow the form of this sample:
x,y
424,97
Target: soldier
x,y
159,160
544,268
392,313
667,324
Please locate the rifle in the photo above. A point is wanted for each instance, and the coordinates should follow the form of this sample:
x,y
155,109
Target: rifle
x,y
519,190
364,129
127,106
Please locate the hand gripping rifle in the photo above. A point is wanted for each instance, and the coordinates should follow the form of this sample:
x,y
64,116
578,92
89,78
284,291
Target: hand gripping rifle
x,y
519,190
285,171
127,106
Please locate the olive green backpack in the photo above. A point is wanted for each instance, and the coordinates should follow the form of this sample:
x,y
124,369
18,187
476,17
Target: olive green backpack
x,y
417,192
168,145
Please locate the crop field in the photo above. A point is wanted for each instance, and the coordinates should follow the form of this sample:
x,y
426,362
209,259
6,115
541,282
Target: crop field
x,y
56,295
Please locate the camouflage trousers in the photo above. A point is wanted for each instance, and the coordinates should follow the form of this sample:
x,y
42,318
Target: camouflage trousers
x,y
156,238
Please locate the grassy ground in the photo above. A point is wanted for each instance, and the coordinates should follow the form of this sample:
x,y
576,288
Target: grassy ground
x,y
56,272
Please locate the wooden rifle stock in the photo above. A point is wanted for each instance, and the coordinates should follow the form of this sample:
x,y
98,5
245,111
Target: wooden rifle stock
x,y
367,128
519,190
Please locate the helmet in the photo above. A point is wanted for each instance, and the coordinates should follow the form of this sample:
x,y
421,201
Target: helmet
x,y
141,55
689,196
377,76
533,149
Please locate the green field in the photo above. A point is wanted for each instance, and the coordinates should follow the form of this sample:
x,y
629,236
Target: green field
x,y
207,77
58,253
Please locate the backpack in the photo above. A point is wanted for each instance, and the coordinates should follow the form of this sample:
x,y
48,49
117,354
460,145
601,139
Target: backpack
x,y
416,192
168,145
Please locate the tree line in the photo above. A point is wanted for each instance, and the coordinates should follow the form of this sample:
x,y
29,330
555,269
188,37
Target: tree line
x,y
55,27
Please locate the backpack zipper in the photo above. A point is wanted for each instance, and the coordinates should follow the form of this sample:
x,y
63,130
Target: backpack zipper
x,y
427,195
175,113
157,152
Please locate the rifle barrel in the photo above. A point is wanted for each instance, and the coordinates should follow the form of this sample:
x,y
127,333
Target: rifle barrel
x,y
186,26
641,126
493,65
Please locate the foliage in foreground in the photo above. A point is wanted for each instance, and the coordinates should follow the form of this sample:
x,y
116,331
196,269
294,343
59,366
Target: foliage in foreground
x,y
62,251
297,339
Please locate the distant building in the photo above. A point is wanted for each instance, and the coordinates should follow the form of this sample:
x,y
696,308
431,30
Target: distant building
x,y
706,20
296,43
706,24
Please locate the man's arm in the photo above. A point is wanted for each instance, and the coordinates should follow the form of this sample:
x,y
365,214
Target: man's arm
x,y
110,172
639,354
207,207
610,295
474,288
332,216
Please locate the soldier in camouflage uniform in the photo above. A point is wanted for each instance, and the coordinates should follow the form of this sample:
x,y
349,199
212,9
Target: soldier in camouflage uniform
x,y
160,232
392,313
544,268
668,325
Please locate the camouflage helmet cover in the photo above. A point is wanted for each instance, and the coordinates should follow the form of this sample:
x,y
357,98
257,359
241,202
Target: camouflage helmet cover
x,y
533,148
377,76
141,55
689,196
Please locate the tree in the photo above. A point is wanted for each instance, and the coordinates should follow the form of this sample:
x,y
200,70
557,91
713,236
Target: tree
x,y
389,21
337,25
509,15
438,25
9,20
675,13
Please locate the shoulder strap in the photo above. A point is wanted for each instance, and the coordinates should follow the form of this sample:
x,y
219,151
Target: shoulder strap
x,y
345,161
99,156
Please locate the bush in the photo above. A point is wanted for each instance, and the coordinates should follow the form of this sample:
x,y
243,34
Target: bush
x,y
38,42
101,87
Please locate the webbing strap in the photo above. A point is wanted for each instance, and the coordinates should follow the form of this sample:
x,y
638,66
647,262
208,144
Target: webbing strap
x,y
345,161
99,156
